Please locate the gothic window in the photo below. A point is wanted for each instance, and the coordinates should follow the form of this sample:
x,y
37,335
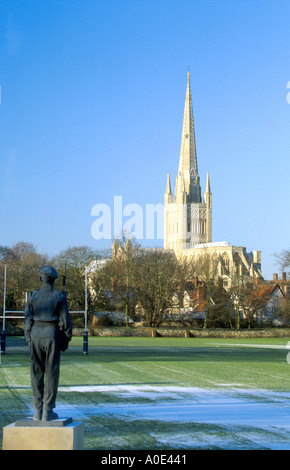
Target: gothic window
x,y
214,258
225,264
236,259
214,262
237,263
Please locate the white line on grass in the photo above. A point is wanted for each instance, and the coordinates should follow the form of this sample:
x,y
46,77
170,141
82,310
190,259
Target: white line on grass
x,y
259,346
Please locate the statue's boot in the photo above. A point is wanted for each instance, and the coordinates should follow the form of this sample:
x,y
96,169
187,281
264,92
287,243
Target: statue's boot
x,y
37,415
49,415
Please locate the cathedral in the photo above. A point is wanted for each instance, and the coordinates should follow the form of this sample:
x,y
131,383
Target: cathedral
x,y
188,214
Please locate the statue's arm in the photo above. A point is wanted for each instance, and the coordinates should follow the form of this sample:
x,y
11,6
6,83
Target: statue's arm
x,y
28,322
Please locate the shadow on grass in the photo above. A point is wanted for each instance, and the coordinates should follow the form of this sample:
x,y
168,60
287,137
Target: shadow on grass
x,y
16,346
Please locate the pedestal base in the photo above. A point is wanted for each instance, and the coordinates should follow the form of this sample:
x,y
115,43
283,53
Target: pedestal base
x,y
50,437
55,423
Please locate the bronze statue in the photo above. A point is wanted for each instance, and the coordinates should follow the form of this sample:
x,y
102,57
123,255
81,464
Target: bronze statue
x,y
48,331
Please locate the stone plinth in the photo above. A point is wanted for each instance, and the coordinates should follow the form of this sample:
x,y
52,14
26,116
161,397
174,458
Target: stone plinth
x,y
50,435
55,423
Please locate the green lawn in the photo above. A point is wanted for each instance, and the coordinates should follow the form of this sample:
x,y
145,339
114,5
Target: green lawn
x,y
111,388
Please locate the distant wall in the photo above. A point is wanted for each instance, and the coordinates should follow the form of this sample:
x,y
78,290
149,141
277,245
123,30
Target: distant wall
x,y
16,330
190,333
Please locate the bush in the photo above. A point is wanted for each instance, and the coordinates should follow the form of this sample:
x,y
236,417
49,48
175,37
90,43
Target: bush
x,y
104,320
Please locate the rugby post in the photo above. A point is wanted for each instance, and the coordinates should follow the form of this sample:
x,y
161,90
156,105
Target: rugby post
x,y
3,333
85,336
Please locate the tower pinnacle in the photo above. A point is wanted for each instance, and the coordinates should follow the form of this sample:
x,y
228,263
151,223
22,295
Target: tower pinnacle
x,y
207,187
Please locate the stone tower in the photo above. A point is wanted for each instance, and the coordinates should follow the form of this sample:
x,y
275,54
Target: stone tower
x,y
187,218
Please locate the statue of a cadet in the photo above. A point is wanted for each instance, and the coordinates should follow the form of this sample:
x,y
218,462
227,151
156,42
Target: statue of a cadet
x,y
47,331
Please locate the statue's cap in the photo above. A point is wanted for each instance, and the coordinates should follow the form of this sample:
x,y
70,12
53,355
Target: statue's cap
x,y
50,271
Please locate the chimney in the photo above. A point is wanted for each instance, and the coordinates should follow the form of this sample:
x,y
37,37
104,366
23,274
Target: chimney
x,y
201,293
275,277
284,277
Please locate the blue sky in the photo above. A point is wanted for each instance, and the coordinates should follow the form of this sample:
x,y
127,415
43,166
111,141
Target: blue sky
x,y
92,98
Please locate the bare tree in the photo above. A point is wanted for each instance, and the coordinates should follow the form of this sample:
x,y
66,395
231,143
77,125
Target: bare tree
x,y
76,260
283,260
207,267
117,275
255,302
185,281
240,291
23,263
155,281
221,311
284,311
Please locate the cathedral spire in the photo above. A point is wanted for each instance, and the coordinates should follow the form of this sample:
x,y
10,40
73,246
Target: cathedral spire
x,y
188,160
187,219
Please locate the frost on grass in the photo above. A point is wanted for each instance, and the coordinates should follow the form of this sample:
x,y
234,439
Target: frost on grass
x,y
174,417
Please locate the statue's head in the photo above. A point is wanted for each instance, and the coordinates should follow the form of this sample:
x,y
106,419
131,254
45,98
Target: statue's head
x,y
48,274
